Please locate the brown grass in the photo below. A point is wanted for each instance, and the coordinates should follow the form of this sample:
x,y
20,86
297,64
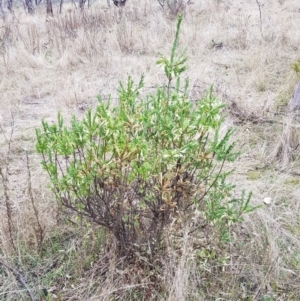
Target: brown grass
x,y
61,63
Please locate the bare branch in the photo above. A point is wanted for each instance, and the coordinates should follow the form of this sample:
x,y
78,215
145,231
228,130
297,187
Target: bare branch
x,y
19,277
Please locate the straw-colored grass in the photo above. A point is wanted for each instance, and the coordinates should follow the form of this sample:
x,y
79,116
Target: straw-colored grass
x,y
61,63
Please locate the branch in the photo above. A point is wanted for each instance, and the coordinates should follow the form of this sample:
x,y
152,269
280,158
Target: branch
x,y
19,277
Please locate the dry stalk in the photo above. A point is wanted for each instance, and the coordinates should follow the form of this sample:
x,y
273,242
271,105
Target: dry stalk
x,y
175,6
8,206
260,18
61,5
39,230
4,175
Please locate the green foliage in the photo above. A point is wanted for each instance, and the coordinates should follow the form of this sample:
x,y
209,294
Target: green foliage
x,y
135,167
296,67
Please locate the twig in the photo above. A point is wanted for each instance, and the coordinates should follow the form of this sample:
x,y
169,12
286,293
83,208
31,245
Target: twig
x,y
161,3
175,8
260,18
19,277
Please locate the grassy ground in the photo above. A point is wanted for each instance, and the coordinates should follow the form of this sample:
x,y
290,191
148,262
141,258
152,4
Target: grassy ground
x,y
62,63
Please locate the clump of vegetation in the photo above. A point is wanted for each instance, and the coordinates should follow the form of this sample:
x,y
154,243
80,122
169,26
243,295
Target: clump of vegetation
x,y
296,67
55,65
142,166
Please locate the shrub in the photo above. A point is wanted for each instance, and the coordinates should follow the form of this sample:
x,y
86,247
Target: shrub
x,y
136,167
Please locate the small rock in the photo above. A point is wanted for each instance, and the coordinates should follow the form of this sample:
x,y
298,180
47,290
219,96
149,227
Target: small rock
x,y
267,200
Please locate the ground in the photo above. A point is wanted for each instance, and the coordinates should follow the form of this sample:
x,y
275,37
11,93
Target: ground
x,y
62,63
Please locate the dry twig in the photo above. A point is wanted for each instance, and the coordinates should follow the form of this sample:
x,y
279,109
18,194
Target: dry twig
x,y
19,277
39,230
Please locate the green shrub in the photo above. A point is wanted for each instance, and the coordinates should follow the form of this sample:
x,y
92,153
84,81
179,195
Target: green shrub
x,y
135,167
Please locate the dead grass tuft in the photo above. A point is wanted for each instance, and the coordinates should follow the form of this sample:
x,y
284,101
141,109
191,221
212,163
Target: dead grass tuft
x,y
286,149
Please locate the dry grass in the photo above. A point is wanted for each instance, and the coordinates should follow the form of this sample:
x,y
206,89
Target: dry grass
x,y
49,64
